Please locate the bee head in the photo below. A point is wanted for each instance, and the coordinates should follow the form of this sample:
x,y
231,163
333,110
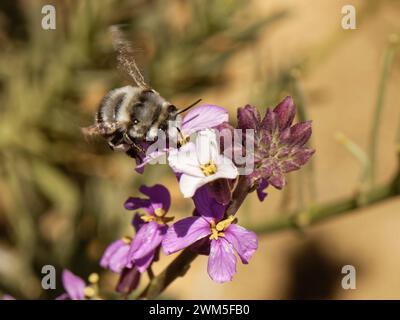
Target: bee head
x,y
148,114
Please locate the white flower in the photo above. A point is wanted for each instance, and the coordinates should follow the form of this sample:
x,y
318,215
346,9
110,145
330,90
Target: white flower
x,y
200,163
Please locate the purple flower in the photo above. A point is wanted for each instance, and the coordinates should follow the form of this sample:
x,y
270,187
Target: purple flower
x,y
8,297
76,288
151,226
116,258
199,118
279,147
222,235
129,280
205,116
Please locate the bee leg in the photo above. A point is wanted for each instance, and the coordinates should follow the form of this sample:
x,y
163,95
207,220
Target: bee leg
x,y
128,139
140,148
132,143
117,141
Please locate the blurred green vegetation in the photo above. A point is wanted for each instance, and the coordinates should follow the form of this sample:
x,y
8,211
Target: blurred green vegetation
x,y
61,195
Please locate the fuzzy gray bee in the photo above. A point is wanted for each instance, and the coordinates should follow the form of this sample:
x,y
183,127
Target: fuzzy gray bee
x,y
129,115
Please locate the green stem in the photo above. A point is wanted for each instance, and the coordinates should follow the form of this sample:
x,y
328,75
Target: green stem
x,y
177,268
387,65
319,213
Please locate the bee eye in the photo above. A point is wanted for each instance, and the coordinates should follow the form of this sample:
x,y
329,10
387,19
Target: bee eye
x,y
171,108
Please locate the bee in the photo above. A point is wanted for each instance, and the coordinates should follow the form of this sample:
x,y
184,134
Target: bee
x,y
131,115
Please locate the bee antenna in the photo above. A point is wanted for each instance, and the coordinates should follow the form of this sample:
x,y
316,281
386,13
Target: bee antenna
x,y
191,106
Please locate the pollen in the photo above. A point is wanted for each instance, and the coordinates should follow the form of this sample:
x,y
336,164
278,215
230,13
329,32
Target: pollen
x,y
93,278
159,212
224,224
209,168
147,218
89,292
183,140
159,217
127,240
217,229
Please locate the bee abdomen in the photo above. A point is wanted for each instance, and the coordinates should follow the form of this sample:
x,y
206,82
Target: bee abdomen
x,y
113,106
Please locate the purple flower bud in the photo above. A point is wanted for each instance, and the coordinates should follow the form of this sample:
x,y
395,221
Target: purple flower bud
x,y
279,147
128,281
248,117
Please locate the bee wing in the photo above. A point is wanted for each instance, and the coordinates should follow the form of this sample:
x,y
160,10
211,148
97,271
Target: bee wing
x,y
91,130
99,129
126,60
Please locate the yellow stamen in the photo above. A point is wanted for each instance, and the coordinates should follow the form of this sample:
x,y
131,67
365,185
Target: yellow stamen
x,y
127,240
147,218
89,292
183,140
222,225
159,217
159,212
215,234
216,230
209,168
94,278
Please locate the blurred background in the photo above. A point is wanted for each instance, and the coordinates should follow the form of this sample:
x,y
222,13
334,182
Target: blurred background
x,y
62,195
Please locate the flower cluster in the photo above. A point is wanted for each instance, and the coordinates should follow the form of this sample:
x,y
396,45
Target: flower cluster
x,y
279,146
206,169
208,172
130,257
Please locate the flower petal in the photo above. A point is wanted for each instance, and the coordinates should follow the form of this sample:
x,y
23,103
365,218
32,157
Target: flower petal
x,y
206,206
134,203
277,180
220,191
64,296
270,122
110,251
221,261
248,117
158,194
185,160
128,281
207,148
202,117
225,168
201,246
137,222
146,240
243,240
185,232
260,190
152,158
74,285
300,133
285,112
189,184
143,264
119,259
